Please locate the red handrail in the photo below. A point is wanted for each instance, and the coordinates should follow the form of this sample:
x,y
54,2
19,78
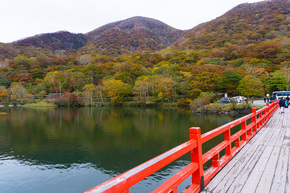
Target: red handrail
x,y
200,178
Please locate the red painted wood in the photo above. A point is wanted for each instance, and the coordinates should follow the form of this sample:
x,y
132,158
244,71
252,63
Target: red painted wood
x,y
133,176
192,189
177,179
208,155
123,182
196,154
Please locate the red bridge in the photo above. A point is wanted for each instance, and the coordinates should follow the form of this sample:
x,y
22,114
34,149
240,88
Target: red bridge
x,y
219,156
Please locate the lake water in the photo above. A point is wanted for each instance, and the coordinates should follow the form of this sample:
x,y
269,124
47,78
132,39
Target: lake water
x,y
64,150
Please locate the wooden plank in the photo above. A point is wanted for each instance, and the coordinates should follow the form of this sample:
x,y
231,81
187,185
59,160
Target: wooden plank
x,y
280,177
225,178
275,131
286,141
287,186
280,138
287,145
266,180
272,133
263,135
271,127
256,173
227,175
263,165
246,172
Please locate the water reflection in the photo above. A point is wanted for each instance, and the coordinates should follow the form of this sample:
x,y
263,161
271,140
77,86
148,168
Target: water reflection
x,y
61,145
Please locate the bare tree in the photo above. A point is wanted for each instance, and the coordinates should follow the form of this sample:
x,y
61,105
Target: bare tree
x,y
18,91
4,63
84,59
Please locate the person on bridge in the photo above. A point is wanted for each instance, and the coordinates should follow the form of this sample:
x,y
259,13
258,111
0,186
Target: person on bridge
x,y
282,104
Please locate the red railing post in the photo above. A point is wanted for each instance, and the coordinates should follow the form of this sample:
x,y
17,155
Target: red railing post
x,y
196,156
264,116
215,160
268,111
244,128
227,137
254,120
237,143
261,119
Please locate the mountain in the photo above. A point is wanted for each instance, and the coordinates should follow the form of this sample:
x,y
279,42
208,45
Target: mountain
x,y
130,35
62,40
47,44
243,25
122,37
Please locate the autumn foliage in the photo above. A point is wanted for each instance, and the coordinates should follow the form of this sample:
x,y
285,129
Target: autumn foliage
x,y
244,52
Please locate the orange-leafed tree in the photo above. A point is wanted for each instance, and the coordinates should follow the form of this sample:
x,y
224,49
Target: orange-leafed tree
x,y
4,94
206,78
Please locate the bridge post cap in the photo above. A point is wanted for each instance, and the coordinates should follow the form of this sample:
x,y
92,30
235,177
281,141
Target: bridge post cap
x,y
194,130
254,110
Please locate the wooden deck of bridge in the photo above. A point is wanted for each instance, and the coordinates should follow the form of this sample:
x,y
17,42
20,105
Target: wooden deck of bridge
x,y
263,165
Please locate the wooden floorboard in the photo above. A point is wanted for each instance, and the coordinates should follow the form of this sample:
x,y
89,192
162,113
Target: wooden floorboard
x,y
287,186
263,165
280,176
238,173
265,182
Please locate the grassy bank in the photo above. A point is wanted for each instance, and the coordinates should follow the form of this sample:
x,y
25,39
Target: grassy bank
x,y
147,104
42,103
226,108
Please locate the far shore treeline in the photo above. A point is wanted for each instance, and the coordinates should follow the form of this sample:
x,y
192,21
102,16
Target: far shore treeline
x,y
244,52
144,77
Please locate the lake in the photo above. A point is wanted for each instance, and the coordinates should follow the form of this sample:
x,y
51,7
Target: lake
x,y
60,150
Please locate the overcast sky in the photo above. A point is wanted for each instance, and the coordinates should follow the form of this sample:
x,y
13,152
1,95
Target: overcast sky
x,y
23,18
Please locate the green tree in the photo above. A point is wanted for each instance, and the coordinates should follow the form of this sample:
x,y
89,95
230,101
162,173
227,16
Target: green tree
x,y
77,80
51,81
250,86
230,81
38,88
4,79
128,72
36,73
277,81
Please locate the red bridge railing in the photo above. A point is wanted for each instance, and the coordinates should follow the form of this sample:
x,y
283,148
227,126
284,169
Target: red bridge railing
x,y
231,144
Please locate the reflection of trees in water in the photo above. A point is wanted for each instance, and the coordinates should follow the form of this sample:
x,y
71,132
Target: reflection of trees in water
x,y
100,136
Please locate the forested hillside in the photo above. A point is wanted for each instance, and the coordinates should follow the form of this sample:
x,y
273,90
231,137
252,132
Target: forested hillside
x,y
147,61
137,34
245,24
